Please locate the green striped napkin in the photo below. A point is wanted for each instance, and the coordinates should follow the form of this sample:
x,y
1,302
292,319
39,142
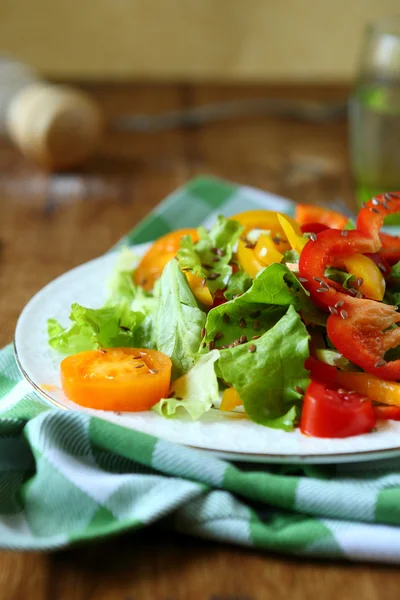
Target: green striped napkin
x,y
67,477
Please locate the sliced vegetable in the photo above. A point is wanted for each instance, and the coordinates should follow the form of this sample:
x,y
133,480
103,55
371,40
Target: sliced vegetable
x,y
199,288
179,320
159,254
123,379
111,326
379,390
366,271
328,248
269,373
194,392
362,330
296,241
211,257
266,250
313,227
248,259
266,220
230,400
335,413
310,213
386,413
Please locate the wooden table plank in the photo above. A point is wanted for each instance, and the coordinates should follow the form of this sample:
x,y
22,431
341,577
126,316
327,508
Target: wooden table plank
x,y
50,224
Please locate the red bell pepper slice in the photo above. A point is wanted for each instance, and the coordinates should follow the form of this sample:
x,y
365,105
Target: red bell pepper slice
x,y
360,329
370,220
386,413
390,248
381,262
321,371
326,248
362,332
335,413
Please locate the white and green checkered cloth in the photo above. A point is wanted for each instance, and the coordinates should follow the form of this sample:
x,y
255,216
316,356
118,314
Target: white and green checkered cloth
x,y
66,477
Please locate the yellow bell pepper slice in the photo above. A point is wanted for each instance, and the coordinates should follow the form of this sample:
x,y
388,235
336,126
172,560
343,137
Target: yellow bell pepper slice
x,y
230,399
200,291
266,251
387,392
296,240
373,283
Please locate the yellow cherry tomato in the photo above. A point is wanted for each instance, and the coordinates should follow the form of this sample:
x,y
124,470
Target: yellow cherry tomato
x,y
266,251
373,283
249,260
296,241
266,220
230,399
200,291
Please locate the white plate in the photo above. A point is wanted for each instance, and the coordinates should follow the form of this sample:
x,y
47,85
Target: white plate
x,y
230,436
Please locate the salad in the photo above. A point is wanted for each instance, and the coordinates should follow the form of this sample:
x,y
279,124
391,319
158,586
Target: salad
x,y
291,321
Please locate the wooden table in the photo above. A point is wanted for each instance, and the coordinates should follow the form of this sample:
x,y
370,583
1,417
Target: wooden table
x,y
49,224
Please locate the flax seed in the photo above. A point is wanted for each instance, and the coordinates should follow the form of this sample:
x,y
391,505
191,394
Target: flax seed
x,y
226,318
242,323
252,348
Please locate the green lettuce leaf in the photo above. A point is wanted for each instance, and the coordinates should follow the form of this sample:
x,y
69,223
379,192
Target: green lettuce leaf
x,y
108,327
290,256
121,286
238,283
259,309
210,257
194,392
179,320
342,277
270,380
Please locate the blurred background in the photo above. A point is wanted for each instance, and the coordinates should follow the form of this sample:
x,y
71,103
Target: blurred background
x,y
264,92
190,40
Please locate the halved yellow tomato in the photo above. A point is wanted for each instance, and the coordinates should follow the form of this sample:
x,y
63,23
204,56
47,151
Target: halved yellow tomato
x,y
123,379
230,399
159,254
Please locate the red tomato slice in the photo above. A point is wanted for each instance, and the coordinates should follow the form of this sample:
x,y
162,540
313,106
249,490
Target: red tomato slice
x,y
335,413
125,379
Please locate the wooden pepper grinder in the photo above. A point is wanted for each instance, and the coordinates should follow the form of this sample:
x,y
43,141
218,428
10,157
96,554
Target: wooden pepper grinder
x,y
55,126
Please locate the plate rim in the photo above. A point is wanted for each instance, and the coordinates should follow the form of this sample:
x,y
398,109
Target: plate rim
x,y
236,456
